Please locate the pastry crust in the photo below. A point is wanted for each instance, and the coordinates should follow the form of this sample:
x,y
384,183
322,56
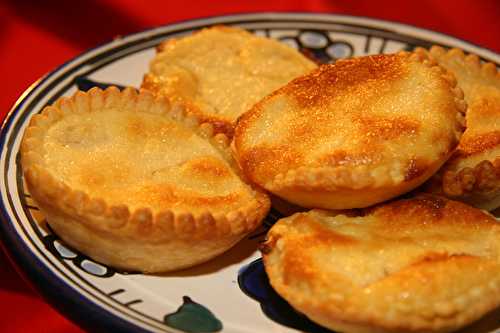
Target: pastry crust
x,y
354,133
220,72
133,182
472,174
426,264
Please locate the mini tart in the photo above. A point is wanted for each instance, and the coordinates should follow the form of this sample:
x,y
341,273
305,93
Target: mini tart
x,y
472,174
132,182
354,133
220,72
426,264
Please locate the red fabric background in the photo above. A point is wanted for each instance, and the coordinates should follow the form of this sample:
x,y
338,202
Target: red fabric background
x,y
36,36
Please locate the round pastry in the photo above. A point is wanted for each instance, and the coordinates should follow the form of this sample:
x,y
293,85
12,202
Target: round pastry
x,y
472,174
220,72
426,264
354,133
132,182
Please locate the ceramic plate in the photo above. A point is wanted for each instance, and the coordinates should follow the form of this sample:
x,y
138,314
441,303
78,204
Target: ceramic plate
x,y
230,293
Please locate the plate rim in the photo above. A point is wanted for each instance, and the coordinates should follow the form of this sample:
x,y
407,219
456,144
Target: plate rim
x,y
55,291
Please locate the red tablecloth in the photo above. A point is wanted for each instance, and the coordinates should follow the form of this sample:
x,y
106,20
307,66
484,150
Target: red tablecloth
x,y
36,36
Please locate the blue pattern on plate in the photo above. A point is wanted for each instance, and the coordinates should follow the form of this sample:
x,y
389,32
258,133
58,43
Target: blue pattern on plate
x,y
193,317
85,84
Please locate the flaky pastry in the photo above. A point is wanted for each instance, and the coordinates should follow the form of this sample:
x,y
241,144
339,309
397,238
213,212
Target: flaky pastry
x,y
426,264
472,174
134,183
354,133
220,72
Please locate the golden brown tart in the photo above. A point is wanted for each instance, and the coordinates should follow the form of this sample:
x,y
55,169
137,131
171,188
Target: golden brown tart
x,y
220,72
353,133
132,182
473,172
426,264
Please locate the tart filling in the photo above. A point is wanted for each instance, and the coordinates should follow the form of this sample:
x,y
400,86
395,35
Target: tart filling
x,y
425,264
220,72
354,133
472,174
134,174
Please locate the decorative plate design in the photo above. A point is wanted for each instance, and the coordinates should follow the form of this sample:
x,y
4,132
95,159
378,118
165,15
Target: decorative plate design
x,y
228,294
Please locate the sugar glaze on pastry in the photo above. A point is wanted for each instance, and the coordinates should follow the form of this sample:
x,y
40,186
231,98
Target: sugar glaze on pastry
x,y
353,133
220,72
129,180
424,264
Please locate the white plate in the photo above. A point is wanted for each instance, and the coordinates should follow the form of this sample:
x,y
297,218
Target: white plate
x,y
225,293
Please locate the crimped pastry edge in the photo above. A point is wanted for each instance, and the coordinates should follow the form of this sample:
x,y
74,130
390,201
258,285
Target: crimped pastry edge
x,y
464,183
96,214
478,185
444,316
332,178
486,69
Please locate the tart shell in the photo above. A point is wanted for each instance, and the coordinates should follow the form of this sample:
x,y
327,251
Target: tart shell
x,y
133,238
220,72
424,264
328,139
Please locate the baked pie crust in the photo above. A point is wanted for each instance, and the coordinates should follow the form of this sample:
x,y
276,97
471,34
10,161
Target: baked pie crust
x,y
132,182
426,264
472,174
354,133
220,72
